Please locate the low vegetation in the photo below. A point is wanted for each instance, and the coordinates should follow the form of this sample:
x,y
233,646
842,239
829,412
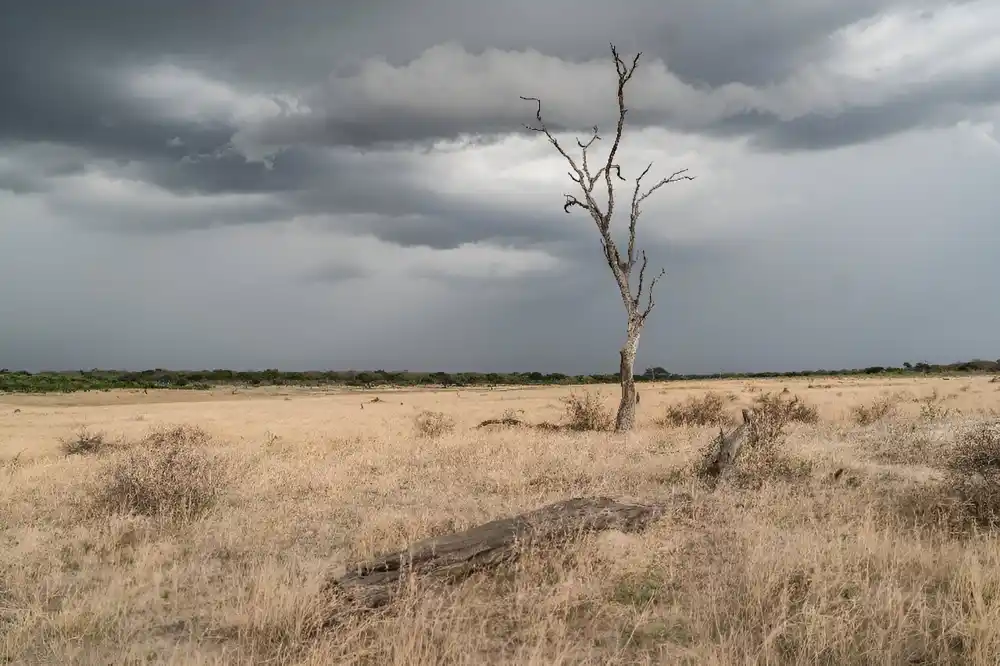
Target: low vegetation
x,y
168,474
973,473
84,443
587,412
433,424
19,381
878,410
707,410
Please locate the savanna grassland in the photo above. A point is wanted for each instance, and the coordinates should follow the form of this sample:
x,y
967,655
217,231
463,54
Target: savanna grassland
x,y
199,527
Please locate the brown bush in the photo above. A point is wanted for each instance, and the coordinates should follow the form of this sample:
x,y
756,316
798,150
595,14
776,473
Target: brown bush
x,y
788,410
186,434
881,408
433,424
932,407
709,410
586,412
169,474
85,443
973,473
762,457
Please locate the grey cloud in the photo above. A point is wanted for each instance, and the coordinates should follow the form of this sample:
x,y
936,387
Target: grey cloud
x,y
936,106
68,94
360,194
434,221
19,183
291,170
842,275
301,40
443,99
335,273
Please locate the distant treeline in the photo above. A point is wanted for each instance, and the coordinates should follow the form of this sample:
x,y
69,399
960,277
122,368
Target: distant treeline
x,y
89,380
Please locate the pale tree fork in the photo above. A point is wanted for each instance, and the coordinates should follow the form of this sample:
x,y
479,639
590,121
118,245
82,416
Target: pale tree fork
x,y
622,267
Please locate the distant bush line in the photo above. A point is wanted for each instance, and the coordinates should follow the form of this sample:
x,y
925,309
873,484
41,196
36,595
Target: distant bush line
x,y
19,381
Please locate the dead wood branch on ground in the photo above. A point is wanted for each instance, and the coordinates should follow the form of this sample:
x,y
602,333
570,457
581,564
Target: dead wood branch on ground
x,y
505,422
453,557
729,447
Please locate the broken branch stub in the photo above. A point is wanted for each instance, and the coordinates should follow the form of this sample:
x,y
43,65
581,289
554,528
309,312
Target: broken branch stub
x,y
729,447
452,557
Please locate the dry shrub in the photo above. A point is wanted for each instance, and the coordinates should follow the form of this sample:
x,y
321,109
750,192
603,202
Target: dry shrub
x,y
433,424
761,456
881,408
186,434
586,412
973,473
781,410
709,410
512,414
11,465
85,443
931,407
907,443
169,474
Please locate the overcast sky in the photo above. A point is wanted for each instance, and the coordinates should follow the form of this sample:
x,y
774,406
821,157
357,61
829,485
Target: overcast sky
x,y
310,184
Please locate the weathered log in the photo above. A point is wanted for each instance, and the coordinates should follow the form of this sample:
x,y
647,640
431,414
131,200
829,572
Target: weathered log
x,y
506,421
455,556
729,447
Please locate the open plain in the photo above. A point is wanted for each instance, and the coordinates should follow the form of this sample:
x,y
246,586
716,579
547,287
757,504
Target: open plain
x,y
113,552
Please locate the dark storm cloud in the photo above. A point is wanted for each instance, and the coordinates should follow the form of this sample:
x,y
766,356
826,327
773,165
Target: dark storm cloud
x,y
937,106
405,216
335,273
372,252
59,75
300,40
77,105
292,170
461,225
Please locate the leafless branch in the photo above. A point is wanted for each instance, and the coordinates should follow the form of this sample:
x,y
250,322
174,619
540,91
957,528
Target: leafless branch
x,y
650,303
637,199
580,174
573,201
624,75
675,177
634,218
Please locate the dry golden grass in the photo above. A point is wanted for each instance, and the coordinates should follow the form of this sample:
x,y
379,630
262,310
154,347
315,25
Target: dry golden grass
x,y
860,560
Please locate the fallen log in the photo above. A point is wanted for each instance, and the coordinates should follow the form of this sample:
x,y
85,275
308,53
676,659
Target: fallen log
x,y
453,557
729,447
506,421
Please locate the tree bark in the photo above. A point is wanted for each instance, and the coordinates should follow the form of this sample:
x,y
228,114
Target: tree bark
x,y
625,419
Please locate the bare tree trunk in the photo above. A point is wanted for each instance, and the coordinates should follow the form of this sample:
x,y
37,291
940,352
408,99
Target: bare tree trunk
x,y
626,408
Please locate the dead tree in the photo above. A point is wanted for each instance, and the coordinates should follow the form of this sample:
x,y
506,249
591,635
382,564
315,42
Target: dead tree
x,y
622,266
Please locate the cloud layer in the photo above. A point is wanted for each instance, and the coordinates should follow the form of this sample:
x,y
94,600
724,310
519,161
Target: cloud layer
x,y
351,185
